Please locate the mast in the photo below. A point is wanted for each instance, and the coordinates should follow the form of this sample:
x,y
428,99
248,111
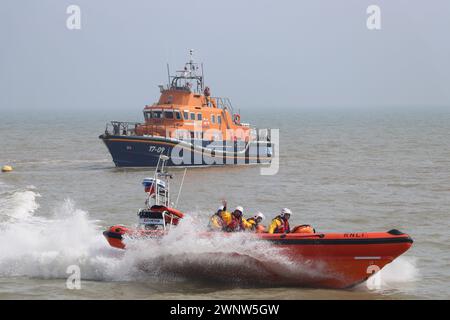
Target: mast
x,y
181,80
203,78
168,75
190,56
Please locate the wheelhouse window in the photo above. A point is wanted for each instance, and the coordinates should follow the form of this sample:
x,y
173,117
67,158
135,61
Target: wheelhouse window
x,y
213,119
199,116
168,114
157,114
186,115
147,115
219,119
178,115
192,116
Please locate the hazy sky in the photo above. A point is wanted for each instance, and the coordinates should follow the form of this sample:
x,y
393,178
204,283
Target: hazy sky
x,y
259,53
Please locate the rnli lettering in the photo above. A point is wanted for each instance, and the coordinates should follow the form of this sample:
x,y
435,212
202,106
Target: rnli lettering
x,y
354,235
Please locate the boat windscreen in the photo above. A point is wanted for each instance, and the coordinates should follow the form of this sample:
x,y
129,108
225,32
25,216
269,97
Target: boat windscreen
x,y
168,114
157,114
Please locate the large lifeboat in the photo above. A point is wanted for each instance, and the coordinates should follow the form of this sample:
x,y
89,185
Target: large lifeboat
x,y
189,125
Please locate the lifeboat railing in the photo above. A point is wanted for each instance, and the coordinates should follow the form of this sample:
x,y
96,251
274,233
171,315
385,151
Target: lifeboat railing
x,y
121,128
224,103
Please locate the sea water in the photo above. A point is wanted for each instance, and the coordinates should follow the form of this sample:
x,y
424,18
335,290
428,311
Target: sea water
x,y
340,170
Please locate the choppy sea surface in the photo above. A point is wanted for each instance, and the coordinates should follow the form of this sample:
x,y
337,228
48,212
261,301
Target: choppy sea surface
x,y
340,170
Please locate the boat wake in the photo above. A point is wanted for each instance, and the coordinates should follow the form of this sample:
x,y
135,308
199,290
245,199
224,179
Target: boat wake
x,y
231,258
45,246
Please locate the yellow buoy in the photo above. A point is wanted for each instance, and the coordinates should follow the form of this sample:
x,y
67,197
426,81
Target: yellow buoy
x,y
7,169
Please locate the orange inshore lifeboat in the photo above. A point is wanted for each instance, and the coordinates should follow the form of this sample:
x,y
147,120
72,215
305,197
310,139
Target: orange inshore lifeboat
x,y
344,259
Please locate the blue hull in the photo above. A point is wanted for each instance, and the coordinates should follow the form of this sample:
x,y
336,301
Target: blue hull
x,y
140,151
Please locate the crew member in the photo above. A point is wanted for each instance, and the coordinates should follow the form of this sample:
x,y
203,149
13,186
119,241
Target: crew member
x,y
216,222
237,223
221,219
255,223
280,224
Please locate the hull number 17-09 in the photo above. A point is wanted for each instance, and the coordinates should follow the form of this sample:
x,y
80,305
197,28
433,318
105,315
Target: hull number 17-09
x,y
156,149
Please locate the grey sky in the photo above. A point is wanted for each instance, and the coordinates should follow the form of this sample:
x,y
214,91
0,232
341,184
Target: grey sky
x,y
259,53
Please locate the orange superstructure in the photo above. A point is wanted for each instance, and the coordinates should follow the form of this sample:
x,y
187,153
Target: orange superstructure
x,y
186,110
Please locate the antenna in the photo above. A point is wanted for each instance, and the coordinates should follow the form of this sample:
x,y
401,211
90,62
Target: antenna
x,y
203,77
168,75
181,186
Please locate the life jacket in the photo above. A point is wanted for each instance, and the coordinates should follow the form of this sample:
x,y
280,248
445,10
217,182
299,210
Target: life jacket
x,y
279,225
237,224
216,222
252,223
246,224
226,217
234,225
